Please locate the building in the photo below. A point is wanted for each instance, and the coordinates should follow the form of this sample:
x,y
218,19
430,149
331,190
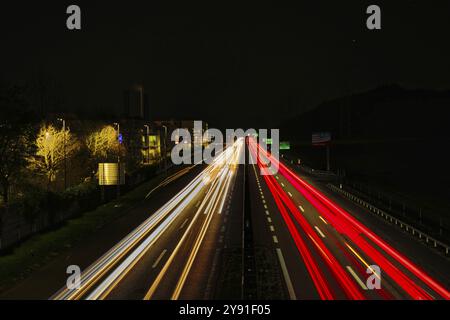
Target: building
x,y
136,103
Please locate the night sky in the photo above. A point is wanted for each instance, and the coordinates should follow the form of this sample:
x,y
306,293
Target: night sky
x,y
232,64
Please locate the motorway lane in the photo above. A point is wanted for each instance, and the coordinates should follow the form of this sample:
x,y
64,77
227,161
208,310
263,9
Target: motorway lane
x,y
296,274
345,253
391,288
433,261
272,228
344,250
271,232
136,283
201,282
159,254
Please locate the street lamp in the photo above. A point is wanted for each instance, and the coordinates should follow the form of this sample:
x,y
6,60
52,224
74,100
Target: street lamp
x,y
118,140
65,158
118,157
148,143
165,150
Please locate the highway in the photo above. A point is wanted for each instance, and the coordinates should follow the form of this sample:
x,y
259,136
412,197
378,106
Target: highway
x,y
247,232
324,252
155,260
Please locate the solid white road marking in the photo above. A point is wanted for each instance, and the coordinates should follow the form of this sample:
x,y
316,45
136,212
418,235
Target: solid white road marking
x,y
287,278
356,278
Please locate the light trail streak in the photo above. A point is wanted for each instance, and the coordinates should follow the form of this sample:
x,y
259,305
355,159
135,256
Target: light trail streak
x,y
145,235
343,278
214,204
346,224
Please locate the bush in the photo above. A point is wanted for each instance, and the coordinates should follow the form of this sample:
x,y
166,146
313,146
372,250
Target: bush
x,y
86,194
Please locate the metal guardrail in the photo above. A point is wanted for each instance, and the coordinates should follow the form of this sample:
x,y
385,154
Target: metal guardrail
x,y
407,227
311,171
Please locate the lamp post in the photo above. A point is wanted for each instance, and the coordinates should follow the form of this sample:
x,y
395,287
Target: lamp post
x,y
165,150
118,158
148,143
65,156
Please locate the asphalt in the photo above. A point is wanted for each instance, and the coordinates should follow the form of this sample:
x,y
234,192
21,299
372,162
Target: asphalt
x,y
272,231
245,251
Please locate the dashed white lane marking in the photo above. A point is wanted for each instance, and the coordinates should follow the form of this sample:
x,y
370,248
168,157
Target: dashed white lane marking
x,y
301,208
290,194
324,221
198,203
319,231
267,212
286,276
275,239
269,220
282,184
159,258
184,223
356,278
264,201
272,229
277,177
265,206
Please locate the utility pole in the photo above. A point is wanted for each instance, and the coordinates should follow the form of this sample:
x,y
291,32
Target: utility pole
x,y
118,158
148,143
65,155
165,149
328,157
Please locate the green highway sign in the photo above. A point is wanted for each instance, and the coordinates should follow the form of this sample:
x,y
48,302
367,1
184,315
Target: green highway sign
x,y
285,145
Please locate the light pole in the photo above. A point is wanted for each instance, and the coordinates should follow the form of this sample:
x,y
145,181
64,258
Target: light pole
x,y
118,158
148,143
165,150
65,156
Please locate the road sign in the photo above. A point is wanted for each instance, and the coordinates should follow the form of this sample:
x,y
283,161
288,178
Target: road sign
x,y
111,174
321,138
285,145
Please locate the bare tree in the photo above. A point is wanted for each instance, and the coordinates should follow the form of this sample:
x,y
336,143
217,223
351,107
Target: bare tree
x,y
51,153
102,143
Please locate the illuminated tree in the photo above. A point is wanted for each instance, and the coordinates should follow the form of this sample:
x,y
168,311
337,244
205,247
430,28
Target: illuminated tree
x,y
102,143
52,146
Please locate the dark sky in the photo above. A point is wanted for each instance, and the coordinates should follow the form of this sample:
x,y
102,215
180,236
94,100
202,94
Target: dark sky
x,y
230,63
